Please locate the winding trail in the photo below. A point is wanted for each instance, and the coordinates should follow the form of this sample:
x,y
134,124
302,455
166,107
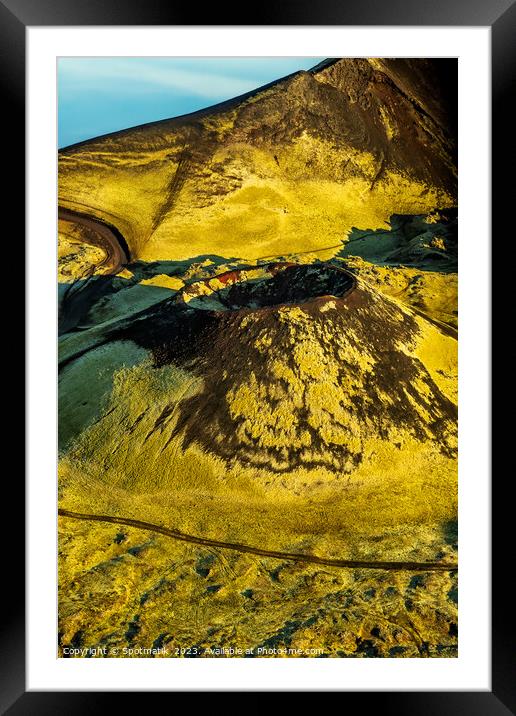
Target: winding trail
x,y
103,235
293,557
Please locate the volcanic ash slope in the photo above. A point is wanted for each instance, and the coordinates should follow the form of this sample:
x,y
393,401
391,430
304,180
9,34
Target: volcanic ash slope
x,y
292,407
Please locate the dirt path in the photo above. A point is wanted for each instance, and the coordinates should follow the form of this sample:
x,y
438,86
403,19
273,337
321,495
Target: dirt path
x,y
102,235
175,534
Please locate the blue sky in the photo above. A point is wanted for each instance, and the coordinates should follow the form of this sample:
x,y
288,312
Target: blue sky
x,y
97,95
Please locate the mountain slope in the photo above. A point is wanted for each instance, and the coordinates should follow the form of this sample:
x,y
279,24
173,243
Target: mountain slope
x,y
290,167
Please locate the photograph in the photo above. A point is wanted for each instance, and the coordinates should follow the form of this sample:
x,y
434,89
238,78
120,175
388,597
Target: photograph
x,y
257,296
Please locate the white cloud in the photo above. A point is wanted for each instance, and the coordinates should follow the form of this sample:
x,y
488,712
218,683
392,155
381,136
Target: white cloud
x,y
141,76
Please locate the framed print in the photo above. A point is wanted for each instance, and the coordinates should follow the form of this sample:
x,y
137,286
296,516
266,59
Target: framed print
x,y
259,399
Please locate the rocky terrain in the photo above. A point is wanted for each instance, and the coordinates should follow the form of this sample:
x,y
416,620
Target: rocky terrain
x,y
258,351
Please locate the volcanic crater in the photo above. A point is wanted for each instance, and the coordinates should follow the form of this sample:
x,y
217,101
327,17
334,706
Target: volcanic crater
x,y
274,285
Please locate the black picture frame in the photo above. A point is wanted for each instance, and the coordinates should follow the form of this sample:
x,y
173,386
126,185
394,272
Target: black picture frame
x,y
500,16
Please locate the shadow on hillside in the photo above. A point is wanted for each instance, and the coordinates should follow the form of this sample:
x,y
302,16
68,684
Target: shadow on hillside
x,y
410,241
95,300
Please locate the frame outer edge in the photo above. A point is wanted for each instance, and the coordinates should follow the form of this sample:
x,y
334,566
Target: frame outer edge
x,y
503,383
286,12
12,633
12,84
